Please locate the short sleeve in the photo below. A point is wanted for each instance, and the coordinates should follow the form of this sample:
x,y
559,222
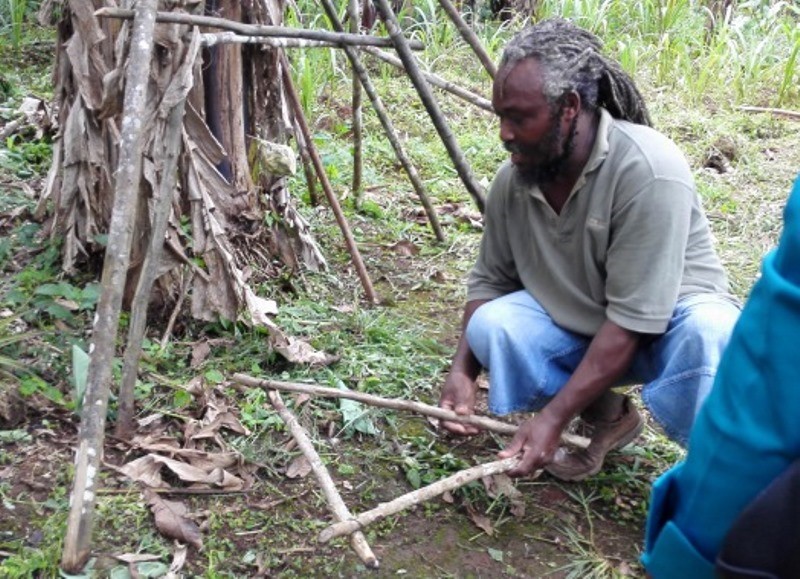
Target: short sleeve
x,y
649,236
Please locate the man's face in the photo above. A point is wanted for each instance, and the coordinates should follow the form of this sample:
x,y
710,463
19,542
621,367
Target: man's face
x,y
532,129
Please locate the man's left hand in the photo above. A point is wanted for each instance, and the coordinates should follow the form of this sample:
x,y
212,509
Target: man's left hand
x,y
537,439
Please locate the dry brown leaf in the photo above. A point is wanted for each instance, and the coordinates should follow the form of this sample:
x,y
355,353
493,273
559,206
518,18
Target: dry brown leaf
x,y
178,561
171,520
148,470
195,387
302,399
299,467
481,521
405,248
224,420
503,484
200,351
145,470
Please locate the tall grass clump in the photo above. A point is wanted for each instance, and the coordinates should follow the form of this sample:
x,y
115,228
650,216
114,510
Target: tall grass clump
x,y
731,58
12,18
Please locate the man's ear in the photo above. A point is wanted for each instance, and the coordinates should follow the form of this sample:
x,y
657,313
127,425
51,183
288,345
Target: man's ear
x,y
570,105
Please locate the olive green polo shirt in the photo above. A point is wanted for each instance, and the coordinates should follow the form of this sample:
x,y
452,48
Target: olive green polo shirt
x,y
630,240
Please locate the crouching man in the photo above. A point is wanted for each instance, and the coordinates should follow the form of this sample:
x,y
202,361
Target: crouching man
x,y
596,267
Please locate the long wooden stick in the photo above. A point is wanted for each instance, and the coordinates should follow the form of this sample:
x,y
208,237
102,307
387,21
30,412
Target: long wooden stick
x,y
782,112
335,502
214,38
167,149
434,80
403,49
77,540
297,109
383,116
420,495
353,13
469,36
396,404
338,38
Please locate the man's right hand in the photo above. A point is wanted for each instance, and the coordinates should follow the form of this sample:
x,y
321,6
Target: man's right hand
x,y
458,395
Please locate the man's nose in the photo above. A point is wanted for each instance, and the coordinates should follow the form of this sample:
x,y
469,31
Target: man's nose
x,y
506,134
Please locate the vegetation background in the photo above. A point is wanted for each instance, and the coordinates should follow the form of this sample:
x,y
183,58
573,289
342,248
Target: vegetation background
x,y
700,70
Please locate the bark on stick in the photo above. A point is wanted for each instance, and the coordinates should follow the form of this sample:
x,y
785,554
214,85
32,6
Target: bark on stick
x,y
115,268
395,404
388,127
300,118
332,496
403,48
469,36
416,497
339,38
435,80
169,176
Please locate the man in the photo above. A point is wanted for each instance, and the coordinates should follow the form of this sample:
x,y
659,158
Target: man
x,y
596,267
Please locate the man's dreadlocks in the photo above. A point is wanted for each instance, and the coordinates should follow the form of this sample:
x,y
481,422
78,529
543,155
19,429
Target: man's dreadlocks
x,y
572,60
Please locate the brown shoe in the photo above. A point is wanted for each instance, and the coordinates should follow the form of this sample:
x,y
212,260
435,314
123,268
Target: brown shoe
x,y
576,464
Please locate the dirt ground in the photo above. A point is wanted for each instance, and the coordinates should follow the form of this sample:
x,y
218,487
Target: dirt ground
x,y
552,530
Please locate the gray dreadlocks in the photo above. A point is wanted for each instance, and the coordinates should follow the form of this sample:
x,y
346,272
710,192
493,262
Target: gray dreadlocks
x,y
572,60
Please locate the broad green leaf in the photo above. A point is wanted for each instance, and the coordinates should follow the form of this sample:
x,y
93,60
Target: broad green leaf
x,y
80,373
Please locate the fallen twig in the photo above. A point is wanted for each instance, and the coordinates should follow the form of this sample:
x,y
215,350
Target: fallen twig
x,y
420,495
782,112
396,404
334,499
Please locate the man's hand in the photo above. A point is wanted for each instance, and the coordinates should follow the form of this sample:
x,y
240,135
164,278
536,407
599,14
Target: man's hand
x,y
537,439
458,395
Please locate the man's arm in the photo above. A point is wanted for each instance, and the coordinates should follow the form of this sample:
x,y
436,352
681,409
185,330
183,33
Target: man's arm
x,y
458,392
609,356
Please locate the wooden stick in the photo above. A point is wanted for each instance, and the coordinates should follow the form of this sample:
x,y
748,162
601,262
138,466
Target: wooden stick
x,y
77,540
308,168
167,158
469,36
383,116
354,15
297,109
456,155
416,497
187,283
783,112
396,404
338,38
335,502
434,80
214,38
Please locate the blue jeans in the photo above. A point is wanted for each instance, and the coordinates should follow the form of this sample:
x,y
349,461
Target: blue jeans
x,y
530,358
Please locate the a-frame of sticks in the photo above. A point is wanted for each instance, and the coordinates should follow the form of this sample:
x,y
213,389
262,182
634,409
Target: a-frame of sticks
x,y
347,523
77,542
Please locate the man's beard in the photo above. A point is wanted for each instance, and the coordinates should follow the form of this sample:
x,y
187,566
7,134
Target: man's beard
x,y
552,162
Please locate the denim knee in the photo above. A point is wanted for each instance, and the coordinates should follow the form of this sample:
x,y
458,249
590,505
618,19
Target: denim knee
x,y
687,357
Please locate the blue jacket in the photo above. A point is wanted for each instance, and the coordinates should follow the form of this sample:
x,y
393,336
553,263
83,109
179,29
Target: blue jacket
x,y
747,432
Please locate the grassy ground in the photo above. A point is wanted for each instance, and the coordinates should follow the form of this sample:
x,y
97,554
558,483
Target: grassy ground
x,y
744,163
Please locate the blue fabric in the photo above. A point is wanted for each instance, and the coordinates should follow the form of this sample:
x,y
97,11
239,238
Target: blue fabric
x,y
530,358
748,431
